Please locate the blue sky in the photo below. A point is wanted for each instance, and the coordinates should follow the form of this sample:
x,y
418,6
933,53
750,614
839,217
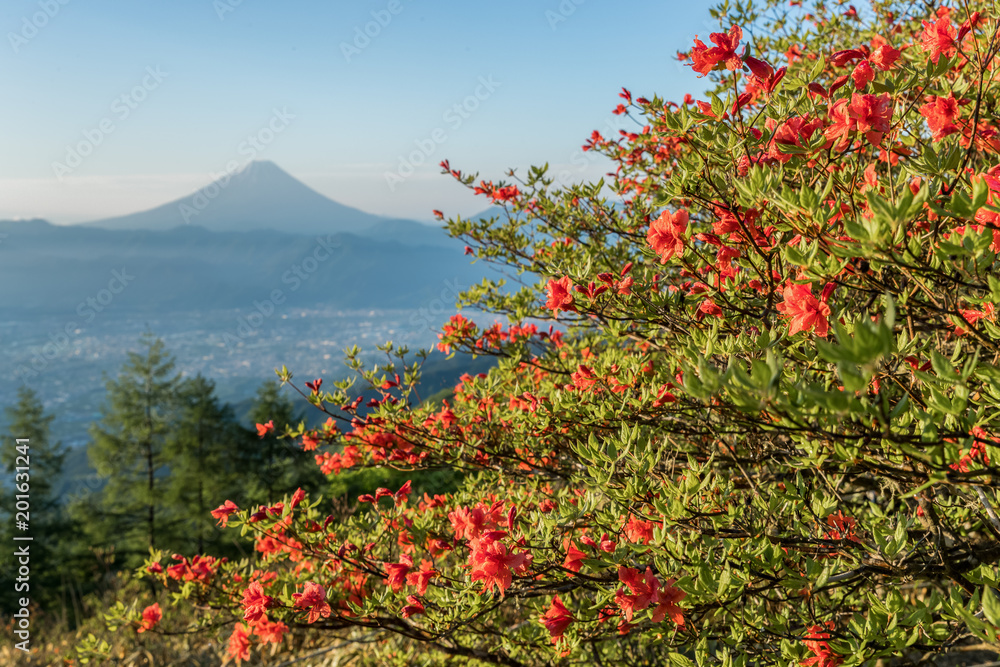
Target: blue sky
x,y
161,95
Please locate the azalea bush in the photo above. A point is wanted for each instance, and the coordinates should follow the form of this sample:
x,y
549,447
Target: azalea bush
x,y
746,392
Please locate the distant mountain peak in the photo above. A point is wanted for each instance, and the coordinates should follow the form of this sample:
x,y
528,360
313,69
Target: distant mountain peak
x,y
262,195
262,165
262,169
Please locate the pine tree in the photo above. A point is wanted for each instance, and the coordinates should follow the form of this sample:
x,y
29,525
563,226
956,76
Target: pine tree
x,y
276,467
127,448
28,420
203,453
33,463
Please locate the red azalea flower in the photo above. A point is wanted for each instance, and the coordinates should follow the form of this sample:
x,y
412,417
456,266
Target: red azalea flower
x,y
420,578
492,563
414,607
396,572
264,429
941,113
270,632
666,234
313,598
639,531
223,511
151,615
239,643
646,590
403,493
823,655
939,38
666,599
574,557
765,75
708,308
806,311
560,296
583,377
841,58
972,316
508,193
796,131
642,591
863,74
843,527
705,59
871,115
883,55
255,602
557,619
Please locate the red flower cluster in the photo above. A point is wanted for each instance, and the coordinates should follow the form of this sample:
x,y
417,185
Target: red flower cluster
x,y
199,568
882,55
823,655
869,115
666,234
705,59
939,38
239,643
313,598
151,616
255,602
976,452
560,296
763,75
805,311
493,562
843,528
645,591
223,511
557,619
941,114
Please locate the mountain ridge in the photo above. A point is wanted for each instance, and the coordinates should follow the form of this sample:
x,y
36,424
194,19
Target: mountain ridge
x,y
54,268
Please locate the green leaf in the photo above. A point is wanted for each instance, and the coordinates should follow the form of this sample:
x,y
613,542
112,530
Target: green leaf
x,y
991,606
681,660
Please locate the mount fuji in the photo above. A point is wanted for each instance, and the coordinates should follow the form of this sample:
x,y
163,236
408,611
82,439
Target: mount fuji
x,y
264,196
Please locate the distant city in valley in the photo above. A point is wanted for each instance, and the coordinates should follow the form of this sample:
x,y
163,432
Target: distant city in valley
x,y
69,373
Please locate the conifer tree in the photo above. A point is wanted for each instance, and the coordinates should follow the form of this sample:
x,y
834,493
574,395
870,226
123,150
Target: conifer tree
x,y
32,463
276,466
202,450
128,448
28,421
